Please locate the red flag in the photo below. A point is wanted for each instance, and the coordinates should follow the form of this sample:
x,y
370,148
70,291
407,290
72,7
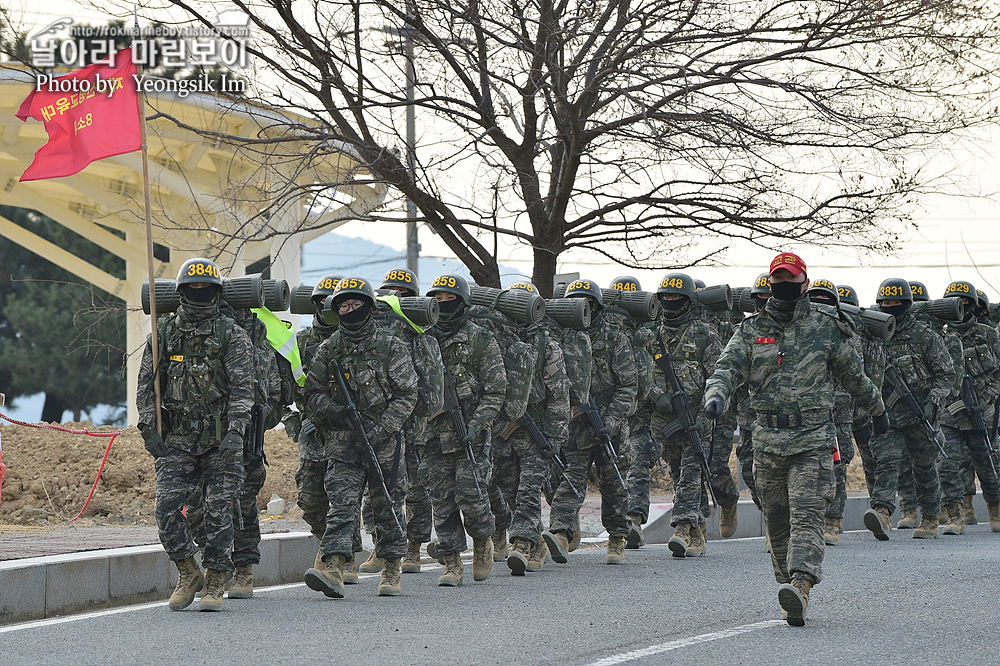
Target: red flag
x,y
89,114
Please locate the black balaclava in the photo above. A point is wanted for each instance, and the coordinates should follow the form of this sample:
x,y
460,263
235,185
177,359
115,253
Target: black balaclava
x,y
199,296
789,292
760,302
356,319
453,315
825,299
897,311
203,308
674,308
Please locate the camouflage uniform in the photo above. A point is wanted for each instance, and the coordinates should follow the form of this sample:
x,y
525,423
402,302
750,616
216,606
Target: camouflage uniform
x,y
383,382
929,371
981,362
614,382
473,358
524,470
694,346
720,437
790,356
206,392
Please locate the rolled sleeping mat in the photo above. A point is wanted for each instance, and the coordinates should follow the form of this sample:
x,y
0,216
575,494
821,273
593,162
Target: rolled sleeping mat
x,y
167,298
243,292
946,309
421,310
880,324
277,295
641,305
301,301
559,291
522,306
571,313
746,302
718,298
330,314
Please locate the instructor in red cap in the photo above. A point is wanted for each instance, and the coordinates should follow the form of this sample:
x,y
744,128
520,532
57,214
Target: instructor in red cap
x,y
792,356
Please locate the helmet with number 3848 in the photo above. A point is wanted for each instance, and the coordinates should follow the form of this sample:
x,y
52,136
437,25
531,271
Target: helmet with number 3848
x,y
677,283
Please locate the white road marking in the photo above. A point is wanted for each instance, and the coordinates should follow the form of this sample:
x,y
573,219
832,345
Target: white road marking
x,y
683,642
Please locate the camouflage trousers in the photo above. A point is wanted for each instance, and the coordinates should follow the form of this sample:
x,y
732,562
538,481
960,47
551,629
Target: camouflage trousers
x,y
180,474
845,442
690,497
310,484
581,450
719,447
914,443
458,509
961,445
502,513
863,448
345,486
794,492
521,471
744,453
419,518
644,454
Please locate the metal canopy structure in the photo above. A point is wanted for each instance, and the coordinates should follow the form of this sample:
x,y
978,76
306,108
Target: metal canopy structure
x,y
211,196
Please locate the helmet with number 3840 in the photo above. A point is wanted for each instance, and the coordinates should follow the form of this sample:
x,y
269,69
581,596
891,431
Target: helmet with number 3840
x,y
197,270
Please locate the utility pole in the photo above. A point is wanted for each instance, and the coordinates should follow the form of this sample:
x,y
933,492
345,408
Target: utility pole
x,y
412,246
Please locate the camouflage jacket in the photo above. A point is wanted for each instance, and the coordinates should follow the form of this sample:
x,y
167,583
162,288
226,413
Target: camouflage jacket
x,y
791,362
614,378
308,340
267,380
694,346
925,364
980,361
382,381
548,401
873,356
471,355
205,390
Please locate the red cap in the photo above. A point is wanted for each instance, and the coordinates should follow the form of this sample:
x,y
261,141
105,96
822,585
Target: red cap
x,y
789,261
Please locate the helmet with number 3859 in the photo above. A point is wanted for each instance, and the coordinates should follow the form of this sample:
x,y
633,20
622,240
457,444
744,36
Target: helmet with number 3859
x,y
197,270
452,284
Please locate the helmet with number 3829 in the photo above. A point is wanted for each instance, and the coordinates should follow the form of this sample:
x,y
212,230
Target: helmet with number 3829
x,y
197,270
452,284
962,289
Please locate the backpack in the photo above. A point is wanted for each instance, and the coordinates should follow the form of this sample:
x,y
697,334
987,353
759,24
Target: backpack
x,y
426,359
222,328
642,340
579,358
519,359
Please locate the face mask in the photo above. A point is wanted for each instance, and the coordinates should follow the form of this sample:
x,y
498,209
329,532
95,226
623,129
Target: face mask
x,y
786,291
452,314
674,308
824,299
203,295
760,302
896,311
980,312
355,319
969,314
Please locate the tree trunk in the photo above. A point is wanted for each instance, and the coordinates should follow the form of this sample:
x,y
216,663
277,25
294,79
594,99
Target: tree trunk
x,y
53,410
544,271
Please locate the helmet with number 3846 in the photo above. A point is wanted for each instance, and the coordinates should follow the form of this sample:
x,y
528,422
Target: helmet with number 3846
x,y
197,270
452,284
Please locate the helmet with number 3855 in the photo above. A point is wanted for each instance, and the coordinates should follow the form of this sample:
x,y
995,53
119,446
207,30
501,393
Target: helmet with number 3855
x,y
452,284
401,278
197,270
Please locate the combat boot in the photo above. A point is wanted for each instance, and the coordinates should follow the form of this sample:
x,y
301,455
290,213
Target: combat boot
x,y
928,528
190,580
908,520
767,541
330,579
831,531
539,554
574,541
942,517
389,585
727,521
318,562
699,542
500,546
558,545
794,599
482,558
215,589
433,553
453,570
520,553
411,563
877,520
634,540
242,587
351,571
372,564
681,540
994,510
970,511
956,520
616,551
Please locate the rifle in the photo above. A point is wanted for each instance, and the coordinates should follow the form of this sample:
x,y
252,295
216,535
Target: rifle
x,y
454,407
358,426
996,419
680,402
972,406
534,431
894,378
597,423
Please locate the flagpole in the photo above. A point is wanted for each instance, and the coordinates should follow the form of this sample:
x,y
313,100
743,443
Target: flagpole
x,y
154,332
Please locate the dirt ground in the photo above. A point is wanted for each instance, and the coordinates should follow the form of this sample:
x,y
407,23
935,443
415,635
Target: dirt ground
x,y
50,473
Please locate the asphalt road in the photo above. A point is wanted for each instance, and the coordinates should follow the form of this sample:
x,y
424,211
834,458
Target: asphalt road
x,y
901,602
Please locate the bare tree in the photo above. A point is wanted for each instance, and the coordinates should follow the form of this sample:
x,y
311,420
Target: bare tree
x,y
632,129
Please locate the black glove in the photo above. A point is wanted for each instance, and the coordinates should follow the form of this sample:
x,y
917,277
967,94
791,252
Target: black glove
x,y
471,435
308,430
663,404
880,424
372,434
233,441
714,407
336,413
930,411
863,429
153,443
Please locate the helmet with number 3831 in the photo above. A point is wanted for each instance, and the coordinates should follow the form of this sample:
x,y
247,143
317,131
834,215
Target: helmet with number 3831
x,y
894,289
